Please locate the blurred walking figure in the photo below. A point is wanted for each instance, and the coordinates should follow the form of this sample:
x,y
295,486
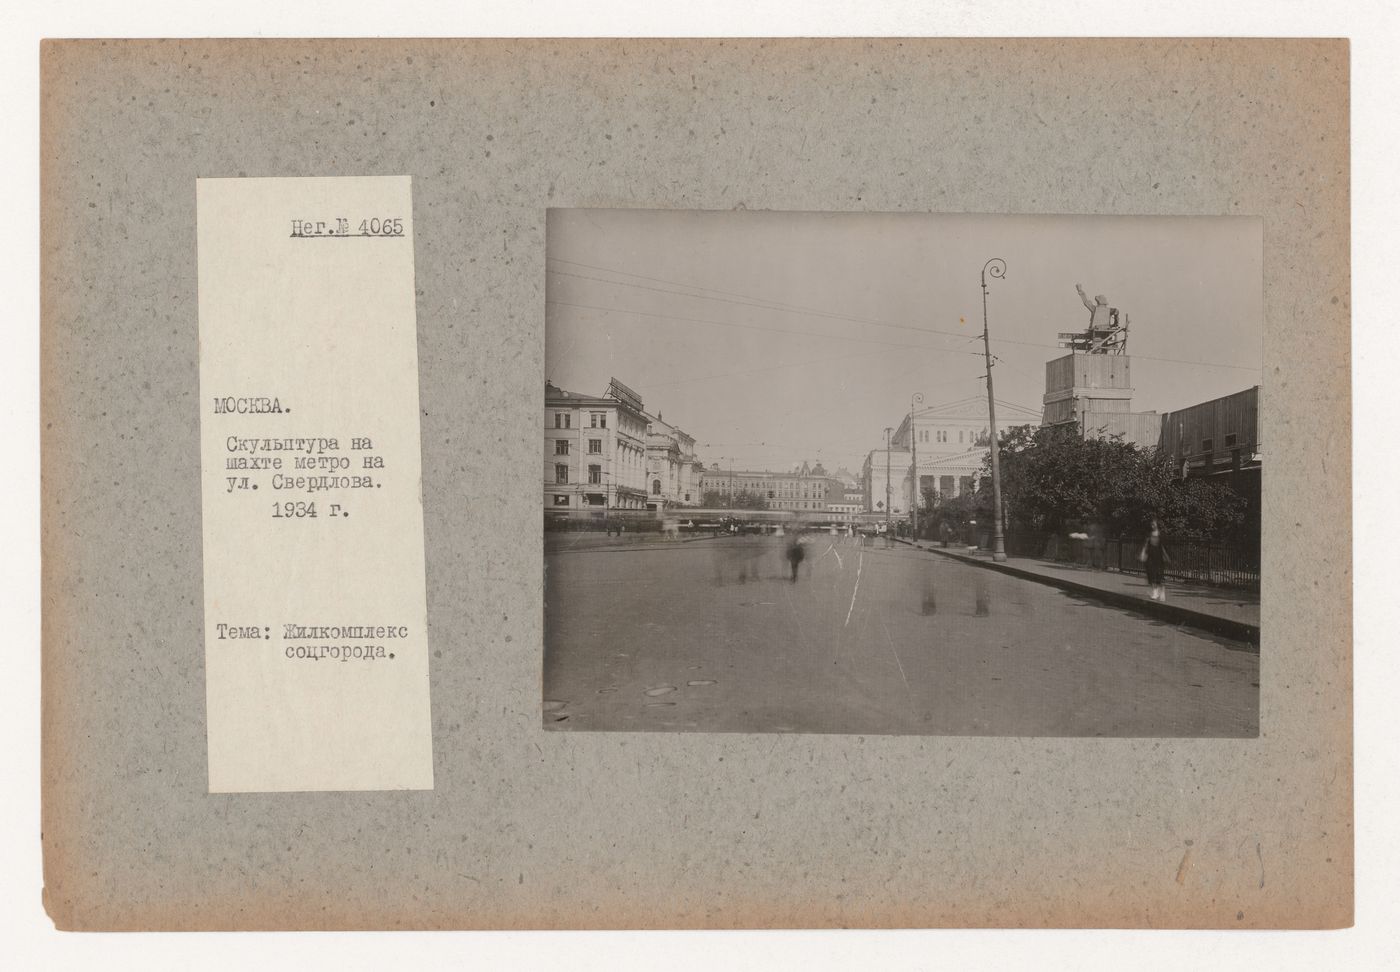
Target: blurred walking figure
x,y
1154,555
795,554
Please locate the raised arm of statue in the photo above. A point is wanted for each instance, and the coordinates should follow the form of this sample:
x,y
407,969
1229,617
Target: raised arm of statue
x,y
1084,297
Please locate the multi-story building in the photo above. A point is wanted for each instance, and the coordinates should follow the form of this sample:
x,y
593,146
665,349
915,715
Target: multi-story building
x,y
852,492
950,442
882,474
845,512
672,469
594,450
800,491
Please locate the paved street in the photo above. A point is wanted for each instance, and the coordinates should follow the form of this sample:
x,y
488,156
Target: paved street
x,y
710,635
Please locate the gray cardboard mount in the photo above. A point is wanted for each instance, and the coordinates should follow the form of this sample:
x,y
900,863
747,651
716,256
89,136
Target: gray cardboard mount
x,y
528,828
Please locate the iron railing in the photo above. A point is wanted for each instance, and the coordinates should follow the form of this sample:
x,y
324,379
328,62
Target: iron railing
x,y
1223,564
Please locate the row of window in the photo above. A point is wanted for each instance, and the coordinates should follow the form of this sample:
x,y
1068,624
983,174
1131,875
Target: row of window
x,y
596,420
561,474
941,435
561,447
562,499
945,484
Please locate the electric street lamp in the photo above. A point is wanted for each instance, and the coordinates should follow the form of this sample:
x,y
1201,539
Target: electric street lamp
x,y
888,430
997,267
917,400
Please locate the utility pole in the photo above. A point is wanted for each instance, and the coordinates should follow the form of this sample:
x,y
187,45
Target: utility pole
x,y
888,430
917,400
997,267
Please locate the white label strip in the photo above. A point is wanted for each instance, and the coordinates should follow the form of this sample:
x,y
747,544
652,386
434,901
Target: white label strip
x,y
315,604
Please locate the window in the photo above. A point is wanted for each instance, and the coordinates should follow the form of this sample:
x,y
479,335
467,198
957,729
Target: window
x,y
945,486
595,474
1231,440
1207,445
561,473
561,499
558,420
687,497
568,421
602,420
561,447
592,420
964,485
656,487
595,447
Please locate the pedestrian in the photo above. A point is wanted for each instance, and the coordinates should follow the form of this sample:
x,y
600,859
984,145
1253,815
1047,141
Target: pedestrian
x,y
795,553
1154,555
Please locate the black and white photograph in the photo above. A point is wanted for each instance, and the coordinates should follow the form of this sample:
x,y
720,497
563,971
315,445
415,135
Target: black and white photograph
x,y
902,473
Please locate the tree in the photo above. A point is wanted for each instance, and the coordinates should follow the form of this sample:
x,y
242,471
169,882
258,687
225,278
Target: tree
x,y
742,500
1053,479
952,513
746,500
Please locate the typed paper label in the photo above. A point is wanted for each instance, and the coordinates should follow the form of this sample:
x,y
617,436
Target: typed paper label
x,y
315,603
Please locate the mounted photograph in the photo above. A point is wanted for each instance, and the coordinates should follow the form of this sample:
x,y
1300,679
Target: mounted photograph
x,y
902,473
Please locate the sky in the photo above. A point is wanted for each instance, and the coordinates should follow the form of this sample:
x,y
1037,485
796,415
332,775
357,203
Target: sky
x,y
778,337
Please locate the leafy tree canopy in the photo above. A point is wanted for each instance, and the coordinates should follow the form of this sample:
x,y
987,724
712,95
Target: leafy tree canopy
x,y
742,500
1053,478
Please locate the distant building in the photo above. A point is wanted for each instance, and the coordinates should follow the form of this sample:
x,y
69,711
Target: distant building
x,y
801,491
845,512
951,442
672,470
594,450
880,463
848,479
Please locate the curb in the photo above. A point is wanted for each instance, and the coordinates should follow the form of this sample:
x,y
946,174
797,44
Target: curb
x,y
1171,613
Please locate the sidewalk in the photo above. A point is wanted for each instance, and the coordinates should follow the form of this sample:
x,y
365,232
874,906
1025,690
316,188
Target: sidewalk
x,y
1228,611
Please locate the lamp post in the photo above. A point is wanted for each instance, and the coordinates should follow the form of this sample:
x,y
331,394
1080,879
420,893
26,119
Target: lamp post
x,y
888,430
996,266
918,399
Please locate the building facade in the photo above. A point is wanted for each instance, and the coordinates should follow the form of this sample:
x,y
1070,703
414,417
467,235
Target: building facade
x,y
883,474
1214,438
672,468
950,443
595,446
801,491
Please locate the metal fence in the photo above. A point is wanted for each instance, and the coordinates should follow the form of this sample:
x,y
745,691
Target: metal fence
x,y
1226,565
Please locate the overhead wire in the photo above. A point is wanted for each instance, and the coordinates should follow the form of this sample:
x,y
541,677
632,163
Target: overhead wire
x,y
768,304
